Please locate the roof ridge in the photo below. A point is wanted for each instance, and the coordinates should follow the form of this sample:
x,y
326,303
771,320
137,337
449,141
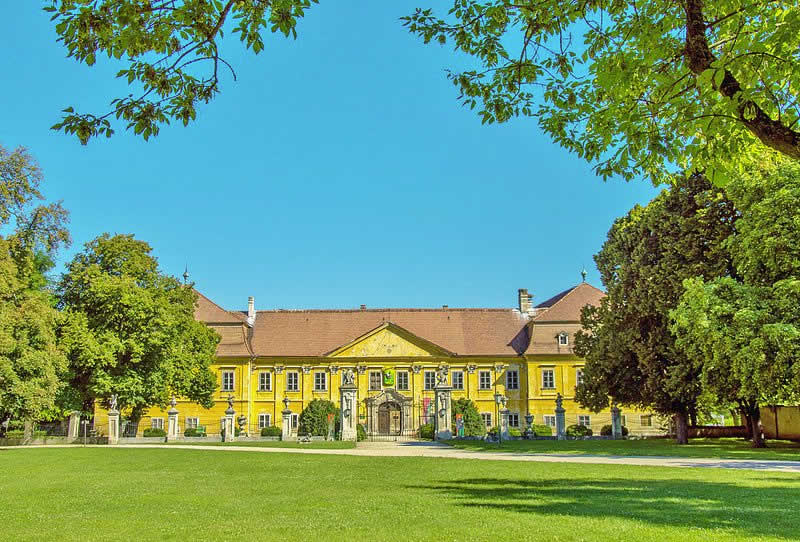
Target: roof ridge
x,y
397,309
232,313
569,292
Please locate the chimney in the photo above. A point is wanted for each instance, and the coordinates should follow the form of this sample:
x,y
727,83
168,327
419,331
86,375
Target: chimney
x,y
525,301
251,311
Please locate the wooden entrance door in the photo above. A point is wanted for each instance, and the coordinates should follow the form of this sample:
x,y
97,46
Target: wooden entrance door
x,y
390,419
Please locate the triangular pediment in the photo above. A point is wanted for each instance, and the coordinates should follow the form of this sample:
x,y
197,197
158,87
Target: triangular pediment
x,y
389,341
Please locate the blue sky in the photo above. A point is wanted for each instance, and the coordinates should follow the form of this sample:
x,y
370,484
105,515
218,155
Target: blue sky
x,y
339,170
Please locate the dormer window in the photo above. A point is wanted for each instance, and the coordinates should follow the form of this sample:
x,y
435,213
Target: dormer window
x,y
563,339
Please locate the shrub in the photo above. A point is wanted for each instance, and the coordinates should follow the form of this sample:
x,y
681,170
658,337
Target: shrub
x,y
361,433
314,418
39,434
195,432
577,431
473,423
236,431
606,431
542,430
15,433
515,432
426,431
154,432
271,431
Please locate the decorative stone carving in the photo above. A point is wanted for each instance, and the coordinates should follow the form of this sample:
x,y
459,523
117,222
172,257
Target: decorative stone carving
x,y
441,375
499,367
306,369
114,398
361,369
348,378
472,368
279,369
416,369
333,369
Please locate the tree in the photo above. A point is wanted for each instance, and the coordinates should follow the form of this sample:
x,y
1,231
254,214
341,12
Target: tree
x,y
652,88
31,364
314,418
631,355
171,49
473,423
130,329
746,326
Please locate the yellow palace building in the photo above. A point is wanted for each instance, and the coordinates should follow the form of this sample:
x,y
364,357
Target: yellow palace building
x,y
523,353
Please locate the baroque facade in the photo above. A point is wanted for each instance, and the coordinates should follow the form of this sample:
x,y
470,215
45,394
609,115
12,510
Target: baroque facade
x,y
524,354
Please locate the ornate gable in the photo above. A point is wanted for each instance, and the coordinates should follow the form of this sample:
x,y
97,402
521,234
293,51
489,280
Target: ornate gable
x,y
388,340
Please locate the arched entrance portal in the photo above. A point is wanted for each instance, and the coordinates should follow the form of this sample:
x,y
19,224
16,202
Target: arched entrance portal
x,y
390,418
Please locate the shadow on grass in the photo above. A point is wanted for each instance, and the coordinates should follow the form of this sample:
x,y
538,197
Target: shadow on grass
x,y
738,509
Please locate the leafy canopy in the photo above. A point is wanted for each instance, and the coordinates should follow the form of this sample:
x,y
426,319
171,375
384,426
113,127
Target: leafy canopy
x,y
131,330
171,50
653,88
631,355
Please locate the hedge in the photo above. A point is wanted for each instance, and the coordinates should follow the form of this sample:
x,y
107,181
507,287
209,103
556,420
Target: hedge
x,y
154,432
426,431
577,431
195,432
271,431
607,432
542,430
361,433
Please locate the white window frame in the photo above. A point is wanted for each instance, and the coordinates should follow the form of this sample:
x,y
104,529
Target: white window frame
x,y
157,423
228,386
549,420
402,383
429,380
563,339
324,381
513,419
584,420
264,420
487,418
515,379
458,380
265,381
192,422
296,386
552,373
295,421
578,377
372,380
648,417
481,385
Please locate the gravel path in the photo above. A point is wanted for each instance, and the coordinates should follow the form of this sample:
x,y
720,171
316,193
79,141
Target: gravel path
x,y
432,449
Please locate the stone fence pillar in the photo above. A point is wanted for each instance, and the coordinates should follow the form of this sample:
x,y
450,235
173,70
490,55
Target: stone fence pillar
x,y
561,422
228,433
504,433
444,413
172,421
616,422
74,426
113,427
348,395
286,423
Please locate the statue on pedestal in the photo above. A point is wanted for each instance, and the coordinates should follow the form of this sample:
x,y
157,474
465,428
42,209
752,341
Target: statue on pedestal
x,y
114,399
348,378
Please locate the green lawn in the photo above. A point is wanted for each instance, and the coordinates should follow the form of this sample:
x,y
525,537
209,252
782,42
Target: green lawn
x,y
713,448
172,494
329,444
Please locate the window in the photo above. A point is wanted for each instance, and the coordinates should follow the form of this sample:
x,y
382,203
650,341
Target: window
x,y
295,418
623,420
264,420
563,339
549,420
579,377
192,423
402,380
484,380
487,418
157,423
430,379
264,381
646,420
292,381
513,420
548,379
585,420
227,380
320,381
512,380
375,380
458,380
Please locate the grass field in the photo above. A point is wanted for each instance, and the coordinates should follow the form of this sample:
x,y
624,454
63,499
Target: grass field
x,y
713,448
174,494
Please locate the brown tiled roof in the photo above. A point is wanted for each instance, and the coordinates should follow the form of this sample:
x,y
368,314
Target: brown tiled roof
x,y
209,312
461,331
234,340
566,306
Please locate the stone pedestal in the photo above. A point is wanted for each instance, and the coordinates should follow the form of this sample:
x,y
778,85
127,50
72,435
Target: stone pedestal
x,y
616,422
113,427
286,424
444,413
228,432
74,425
504,434
561,419
173,431
348,396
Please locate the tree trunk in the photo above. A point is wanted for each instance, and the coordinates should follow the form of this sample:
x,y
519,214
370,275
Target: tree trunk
x,y
681,428
755,427
693,416
27,434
